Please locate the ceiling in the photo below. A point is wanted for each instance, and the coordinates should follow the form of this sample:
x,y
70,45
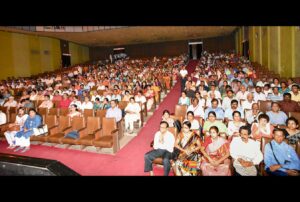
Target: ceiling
x,y
136,34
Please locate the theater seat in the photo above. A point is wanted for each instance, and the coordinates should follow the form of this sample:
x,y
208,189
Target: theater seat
x,y
52,124
64,124
89,133
108,136
77,124
264,142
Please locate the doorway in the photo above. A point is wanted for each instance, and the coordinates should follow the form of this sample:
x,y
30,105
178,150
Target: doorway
x,y
66,60
195,50
246,49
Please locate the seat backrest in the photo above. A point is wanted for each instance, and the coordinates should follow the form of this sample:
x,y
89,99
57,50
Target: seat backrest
x,y
298,148
12,109
53,111
173,130
64,121
296,115
264,142
56,104
63,111
93,123
12,118
42,111
265,106
88,113
180,110
123,104
108,125
78,122
101,113
51,120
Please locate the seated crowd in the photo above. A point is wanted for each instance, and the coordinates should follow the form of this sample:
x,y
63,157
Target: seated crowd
x,y
230,120
75,91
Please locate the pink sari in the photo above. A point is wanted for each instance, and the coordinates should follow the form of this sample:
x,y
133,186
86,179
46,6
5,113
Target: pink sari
x,y
216,150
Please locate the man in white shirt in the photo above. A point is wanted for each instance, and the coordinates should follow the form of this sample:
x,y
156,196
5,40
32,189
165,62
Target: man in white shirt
x,y
162,148
258,95
132,114
2,117
11,102
246,153
242,94
226,103
215,92
76,102
47,103
196,108
247,104
183,73
114,111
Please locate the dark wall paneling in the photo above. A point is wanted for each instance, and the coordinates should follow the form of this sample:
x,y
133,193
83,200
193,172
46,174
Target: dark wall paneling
x,y
173,48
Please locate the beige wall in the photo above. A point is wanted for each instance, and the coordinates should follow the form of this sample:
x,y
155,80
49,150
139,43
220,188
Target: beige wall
x,y
277,48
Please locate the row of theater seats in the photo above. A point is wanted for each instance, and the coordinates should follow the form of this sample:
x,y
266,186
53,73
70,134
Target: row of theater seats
x,y
93,128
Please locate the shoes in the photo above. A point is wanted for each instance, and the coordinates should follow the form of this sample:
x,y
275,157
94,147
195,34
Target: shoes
x,y
18,149
25,149
11,147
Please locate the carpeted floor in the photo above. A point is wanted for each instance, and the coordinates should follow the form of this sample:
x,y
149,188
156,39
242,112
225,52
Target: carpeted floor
x,y
129,161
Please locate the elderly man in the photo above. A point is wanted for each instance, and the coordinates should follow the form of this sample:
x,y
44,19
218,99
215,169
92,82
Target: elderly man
x,y
242,94
247,104
280,158
246,153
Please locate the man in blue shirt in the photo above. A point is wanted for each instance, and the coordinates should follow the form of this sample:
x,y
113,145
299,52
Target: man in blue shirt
x,y
275,96
280,158
229,111
23,136
214,107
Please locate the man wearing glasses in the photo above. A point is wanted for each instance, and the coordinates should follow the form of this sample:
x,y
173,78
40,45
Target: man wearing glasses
x,y
163,147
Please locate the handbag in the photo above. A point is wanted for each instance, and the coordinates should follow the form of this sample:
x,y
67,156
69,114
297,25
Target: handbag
x,y
41,130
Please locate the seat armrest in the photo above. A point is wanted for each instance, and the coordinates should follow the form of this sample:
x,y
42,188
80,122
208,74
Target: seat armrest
x,y
116,130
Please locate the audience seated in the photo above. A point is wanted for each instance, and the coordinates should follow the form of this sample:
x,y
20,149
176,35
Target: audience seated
x,y
215,150
187,152
246,153
280,158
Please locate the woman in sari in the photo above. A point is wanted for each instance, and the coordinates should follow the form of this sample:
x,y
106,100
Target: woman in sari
x,y
156,90
215,151
167,80
149,94
188,147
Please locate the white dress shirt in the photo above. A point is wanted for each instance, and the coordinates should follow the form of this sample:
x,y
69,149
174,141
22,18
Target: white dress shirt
x,y
198,110
168,141
249,151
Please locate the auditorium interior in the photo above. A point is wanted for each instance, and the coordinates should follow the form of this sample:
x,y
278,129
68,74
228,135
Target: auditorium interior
x,y
149,100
